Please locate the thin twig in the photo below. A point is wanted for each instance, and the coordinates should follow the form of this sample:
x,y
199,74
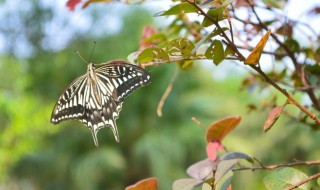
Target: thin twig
x,y
194,119
166,93
272,167
172,59
310,178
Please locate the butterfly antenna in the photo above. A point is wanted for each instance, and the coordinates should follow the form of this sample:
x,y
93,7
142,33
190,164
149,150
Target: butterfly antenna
x,y
76,51
94,45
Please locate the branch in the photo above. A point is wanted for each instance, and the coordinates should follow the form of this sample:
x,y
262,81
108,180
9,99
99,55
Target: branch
x,y
171,60
272,167
310,178
166,93
256,68
298,66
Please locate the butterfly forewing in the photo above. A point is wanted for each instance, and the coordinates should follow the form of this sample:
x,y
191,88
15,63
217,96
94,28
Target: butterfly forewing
x,y
125,78
96,97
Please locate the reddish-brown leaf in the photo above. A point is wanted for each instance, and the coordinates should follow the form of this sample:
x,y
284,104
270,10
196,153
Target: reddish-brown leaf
x,y
71,4
87,3
314,10
145,184
212,149
219,129
273,116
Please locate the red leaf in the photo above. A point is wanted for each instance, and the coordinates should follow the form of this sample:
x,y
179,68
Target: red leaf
x,y
87,3
219,129
314,10
273,116
147,31
145,184
212,149
71,4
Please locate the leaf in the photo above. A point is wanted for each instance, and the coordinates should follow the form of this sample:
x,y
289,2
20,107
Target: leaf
x,y
215,52
132,57
87,3
178,9
223,168
219,129
201,170
146,40
216,14
229,51
237,155
133,1
255,55
145,184
273,116
71,4
181,47
313,11
292,44
285,177
206,186
215,32
212,148
152,53
275,3
184,184
225,182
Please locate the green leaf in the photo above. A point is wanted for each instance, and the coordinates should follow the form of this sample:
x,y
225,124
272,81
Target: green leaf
x,y
285,177
181,47
237,155
292,44
225,182
223,168
275,3
215,52
215,32
178,9
206,186
184,184
229,51
158,37
152,54
216,14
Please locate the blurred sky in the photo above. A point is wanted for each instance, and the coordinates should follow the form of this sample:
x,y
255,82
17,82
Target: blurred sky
x,y
60,30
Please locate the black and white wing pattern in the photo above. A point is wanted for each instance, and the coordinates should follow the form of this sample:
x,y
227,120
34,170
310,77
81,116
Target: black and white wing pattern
x,y
96,98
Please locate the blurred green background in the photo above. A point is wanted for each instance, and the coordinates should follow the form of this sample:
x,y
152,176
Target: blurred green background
x,y
37,62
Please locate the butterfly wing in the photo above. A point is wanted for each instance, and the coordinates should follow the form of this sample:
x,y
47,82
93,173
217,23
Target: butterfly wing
x,y
70,104
123,77
97,101
115,81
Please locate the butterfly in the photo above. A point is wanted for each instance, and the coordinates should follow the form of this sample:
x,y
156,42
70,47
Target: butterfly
x,y
96,97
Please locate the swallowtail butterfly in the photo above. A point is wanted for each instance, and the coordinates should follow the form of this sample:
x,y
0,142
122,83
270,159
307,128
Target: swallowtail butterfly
x,y
96,97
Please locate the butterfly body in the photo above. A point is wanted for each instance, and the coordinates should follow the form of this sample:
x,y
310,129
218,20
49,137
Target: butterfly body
x,y
96,97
